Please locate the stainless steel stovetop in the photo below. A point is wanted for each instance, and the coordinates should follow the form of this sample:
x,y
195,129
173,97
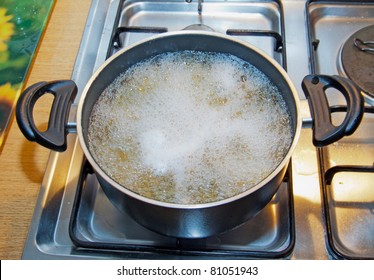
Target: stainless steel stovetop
x,y
316,214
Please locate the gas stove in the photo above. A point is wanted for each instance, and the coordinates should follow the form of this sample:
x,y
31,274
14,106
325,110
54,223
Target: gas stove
x,y
324,208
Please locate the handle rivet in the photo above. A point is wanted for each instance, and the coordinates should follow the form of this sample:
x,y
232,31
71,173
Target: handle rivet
x,y
315,80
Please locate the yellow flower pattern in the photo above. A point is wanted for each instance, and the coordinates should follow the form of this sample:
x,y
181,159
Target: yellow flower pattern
x,y
20,32
7,96
7,93
6,29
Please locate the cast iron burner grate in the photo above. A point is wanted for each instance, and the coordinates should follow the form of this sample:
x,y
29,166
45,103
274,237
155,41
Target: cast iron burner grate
x,y
279,46
348,221
147,244
329,205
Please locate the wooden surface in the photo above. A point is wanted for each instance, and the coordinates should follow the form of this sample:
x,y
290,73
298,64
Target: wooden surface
x,y
22,163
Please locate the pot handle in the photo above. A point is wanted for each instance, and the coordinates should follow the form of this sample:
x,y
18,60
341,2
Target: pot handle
x,y
54,137
324,132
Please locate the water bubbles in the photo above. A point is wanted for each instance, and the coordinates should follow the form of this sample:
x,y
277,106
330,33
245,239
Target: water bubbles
x,y
190,127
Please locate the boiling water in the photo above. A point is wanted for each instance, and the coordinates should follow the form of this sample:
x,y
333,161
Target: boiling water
x,y
190,127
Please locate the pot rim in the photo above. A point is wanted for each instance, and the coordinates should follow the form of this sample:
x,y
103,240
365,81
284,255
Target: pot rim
x,y
182,33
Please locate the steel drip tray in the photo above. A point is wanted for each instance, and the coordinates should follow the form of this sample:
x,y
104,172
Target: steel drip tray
x,y
348,193
218,15
349,202
97,224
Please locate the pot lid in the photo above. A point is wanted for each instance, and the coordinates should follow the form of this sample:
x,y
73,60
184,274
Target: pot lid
x,y
357,59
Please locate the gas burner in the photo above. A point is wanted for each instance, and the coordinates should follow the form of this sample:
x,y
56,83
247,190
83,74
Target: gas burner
x,y
356,60
199,26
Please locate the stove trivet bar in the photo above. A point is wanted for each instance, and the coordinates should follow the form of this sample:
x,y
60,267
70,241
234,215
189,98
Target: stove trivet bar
x,y
330,173
117,43
278,44
243,32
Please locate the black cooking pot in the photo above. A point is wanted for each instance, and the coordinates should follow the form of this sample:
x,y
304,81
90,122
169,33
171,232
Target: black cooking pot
x,y
189,220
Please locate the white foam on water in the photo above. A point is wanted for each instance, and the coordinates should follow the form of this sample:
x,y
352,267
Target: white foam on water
x,y
190,127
